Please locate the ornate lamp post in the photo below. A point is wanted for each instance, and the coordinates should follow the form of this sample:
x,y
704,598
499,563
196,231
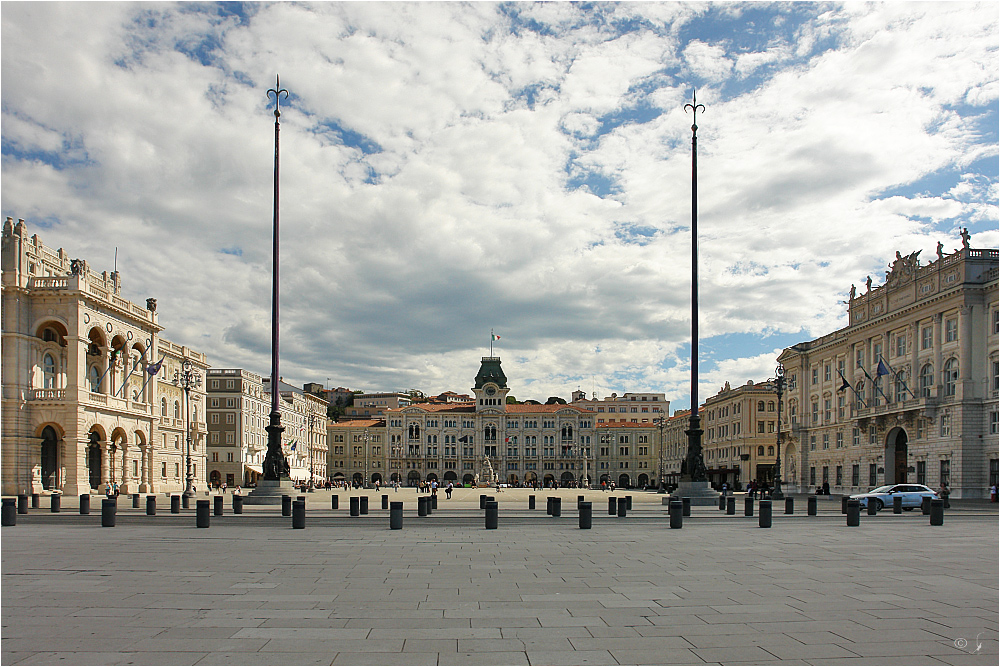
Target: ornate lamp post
x,y
366,437
660,423
275,464
779,386
187,379
695,464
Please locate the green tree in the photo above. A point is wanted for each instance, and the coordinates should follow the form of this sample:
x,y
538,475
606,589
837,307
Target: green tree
x,y
555,400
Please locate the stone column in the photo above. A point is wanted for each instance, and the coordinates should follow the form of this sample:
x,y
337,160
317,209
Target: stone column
x,y
913,381
143,468
77,479
966,386
105,466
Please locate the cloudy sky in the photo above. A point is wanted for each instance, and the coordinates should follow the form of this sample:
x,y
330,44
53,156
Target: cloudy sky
x,y
448,169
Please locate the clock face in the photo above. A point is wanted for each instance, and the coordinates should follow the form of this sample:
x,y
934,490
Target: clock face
x,y
490,390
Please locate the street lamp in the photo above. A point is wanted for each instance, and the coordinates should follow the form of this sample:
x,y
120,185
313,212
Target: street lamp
x,y
660,423
187,379
366,437
779,386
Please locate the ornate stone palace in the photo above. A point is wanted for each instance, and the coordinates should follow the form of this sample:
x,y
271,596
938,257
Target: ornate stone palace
x,y
907,391
88,398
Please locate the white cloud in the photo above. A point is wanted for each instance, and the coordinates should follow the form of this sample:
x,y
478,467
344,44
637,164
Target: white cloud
x,y
427,153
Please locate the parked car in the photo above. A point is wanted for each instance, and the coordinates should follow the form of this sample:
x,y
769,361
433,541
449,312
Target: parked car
x,y
912,495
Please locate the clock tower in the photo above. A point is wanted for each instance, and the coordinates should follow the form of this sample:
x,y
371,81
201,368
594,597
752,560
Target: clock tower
x,y
491,387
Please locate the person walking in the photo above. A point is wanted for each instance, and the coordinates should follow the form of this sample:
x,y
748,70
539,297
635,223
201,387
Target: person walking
x,y
449,490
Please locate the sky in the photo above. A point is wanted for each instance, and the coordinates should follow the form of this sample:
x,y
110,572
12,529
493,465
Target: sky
x,y
452,169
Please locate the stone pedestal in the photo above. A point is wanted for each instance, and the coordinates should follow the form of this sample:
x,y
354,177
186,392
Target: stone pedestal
x,y
269,492
700,493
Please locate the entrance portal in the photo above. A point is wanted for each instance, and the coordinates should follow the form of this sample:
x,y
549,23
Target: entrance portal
x,y
50,457
895,456
94,465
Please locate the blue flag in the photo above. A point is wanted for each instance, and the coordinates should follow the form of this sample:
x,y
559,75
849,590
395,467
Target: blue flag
x,y
881,370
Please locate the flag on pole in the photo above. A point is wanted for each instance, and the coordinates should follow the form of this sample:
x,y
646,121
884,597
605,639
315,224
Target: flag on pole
x,y
844,383
292,448
495,337
881,369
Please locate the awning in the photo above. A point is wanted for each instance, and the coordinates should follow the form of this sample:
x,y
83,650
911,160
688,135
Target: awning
x,y
253,468
299,473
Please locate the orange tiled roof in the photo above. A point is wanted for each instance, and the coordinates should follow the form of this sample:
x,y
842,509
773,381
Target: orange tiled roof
x,y
358,423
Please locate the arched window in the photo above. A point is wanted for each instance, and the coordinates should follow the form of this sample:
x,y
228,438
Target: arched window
x,y
163,407
901,387
760,451
859,393
48,371
95,379
177,409
950,376
926,380
760,405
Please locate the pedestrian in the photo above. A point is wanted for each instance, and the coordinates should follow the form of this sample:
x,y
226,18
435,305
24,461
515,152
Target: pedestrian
x,y
993,493
449,490
943,493
725,489
434,487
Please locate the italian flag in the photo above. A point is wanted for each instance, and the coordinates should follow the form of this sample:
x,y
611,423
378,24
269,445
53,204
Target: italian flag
x,y
495,337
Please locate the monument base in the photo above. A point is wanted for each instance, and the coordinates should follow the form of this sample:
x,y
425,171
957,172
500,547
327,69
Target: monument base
x,y
269,492
700,493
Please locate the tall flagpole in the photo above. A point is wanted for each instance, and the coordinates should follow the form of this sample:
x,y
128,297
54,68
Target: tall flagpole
x,y
275,465
695,463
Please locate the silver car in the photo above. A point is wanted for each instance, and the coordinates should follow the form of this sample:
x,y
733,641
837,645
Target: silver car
x,y
912,495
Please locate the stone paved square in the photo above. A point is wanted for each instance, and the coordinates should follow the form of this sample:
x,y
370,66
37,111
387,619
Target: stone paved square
x,y
537,591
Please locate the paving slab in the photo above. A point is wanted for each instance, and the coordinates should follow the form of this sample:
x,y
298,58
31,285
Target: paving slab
x,y
449,592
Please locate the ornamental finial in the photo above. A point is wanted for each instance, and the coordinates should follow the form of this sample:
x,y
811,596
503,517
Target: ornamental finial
x,y
277,90
694,106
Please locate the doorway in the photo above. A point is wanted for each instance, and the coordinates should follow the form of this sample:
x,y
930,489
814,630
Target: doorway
x,y
50,458
896,451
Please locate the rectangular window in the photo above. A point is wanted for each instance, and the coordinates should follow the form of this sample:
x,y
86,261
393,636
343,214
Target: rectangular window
x,y
812,476
213,437
214,418
922,472
230,437
946,472
826,373
815,376
872,435
859,358
950,331
231,418
856,436
994,422
826,474
760,427
826,441
900,344
812,443
230,402
163,469
855,475
926,338
840,439
840,476
872,474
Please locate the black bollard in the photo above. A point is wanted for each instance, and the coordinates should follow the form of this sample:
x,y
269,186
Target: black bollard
x,y
203,513
482,501
84,503
612,506
396,515
108,509
579,499
937,512
686,506
531,502
286,505
355,506
548,505
422,506
872,507
853,513
385,502
586,514
557,506
492,514
175,504
217,508
811,506
789,505
150,505
765,514
622,508
434,501
135,501
8,515
748,506
185,501
35,501
299,514
335,501
676,509
55,503
364,505
722,502
302,498
897,504
22,503
628,502
237,504
731,505
843,504
925,505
